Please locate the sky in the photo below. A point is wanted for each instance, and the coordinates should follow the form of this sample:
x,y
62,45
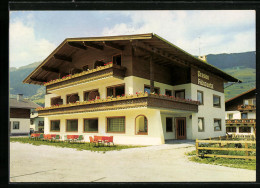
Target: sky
x,y
33,35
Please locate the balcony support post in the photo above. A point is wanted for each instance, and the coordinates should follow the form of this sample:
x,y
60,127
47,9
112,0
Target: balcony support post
x,y
151,74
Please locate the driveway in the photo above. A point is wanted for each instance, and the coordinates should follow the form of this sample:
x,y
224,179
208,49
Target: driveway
x,y
164,163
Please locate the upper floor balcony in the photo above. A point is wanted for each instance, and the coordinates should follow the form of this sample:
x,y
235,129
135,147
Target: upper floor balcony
x,y
109,70
122,102
246,107
240,121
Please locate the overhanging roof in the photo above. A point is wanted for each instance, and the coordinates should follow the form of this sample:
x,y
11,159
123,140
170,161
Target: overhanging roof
x,y
151,40
24,103
242,94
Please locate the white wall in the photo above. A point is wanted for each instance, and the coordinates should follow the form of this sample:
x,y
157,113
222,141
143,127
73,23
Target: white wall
x,y
24,126
155,132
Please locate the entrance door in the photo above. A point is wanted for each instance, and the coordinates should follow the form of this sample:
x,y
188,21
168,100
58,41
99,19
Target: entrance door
x,y
181,128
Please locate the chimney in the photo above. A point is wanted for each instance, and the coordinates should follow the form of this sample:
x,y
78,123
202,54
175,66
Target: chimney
x,y
203,58
19,97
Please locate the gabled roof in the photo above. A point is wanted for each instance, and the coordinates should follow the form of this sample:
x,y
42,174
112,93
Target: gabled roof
x,y
253,90
150,39
24,103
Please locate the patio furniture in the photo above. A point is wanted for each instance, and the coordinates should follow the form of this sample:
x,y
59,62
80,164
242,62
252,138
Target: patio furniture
x,y
91,140
98,139
110,140
80,138
41,137
57,137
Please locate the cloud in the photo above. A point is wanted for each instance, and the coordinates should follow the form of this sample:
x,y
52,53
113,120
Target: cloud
x,y
24,47
205,31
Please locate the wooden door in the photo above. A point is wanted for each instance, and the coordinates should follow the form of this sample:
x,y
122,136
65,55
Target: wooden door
x,y
181,128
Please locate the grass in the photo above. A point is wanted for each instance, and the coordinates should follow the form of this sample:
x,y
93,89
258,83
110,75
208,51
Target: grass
x,y
234,163
75,145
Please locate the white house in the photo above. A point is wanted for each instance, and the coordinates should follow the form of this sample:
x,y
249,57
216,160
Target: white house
x,y
141,89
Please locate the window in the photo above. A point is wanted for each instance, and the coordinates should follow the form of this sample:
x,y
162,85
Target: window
x,y
116,124
90,95
41,123
16,125
141,124
254,102
201,124
91,125
244,116
169,124
31,121
148,89
231,129
200,96
168,92
117,60
246,102
55,125
217,124
114,91
72,98
245,129
180,94
72,125
56,100
216,101
230,116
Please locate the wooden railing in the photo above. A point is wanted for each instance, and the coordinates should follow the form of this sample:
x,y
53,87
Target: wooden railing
x,y
211,146
240,121
246,107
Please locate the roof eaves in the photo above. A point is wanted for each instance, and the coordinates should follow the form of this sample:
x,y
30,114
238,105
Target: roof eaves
x,y
240,95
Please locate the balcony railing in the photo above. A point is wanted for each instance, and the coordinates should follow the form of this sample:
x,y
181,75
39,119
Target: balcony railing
x,y
240,121
87,76
246,107
122,102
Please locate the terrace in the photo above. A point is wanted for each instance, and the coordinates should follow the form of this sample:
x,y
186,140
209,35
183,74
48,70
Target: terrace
x,y
109,70
246,107
122,102
240,121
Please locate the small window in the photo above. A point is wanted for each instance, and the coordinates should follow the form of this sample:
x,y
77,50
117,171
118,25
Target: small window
x,y
254,102
115,91
55,125
244,116
16,125
168,92
72,98
141,125
169,124
246,102
117,60
201,124
180,94
217,124
56,100
41,123
245,129
90,95
230,116
148,89
216,101
231,129
31,121
72,125
200,96
116,124
91,125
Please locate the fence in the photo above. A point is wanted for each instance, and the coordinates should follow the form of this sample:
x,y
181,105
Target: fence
x,y
221,144
234,137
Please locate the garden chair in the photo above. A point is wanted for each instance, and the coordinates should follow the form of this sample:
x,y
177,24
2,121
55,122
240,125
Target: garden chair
x,y
110,140
57,137
41,137
80,138
91,140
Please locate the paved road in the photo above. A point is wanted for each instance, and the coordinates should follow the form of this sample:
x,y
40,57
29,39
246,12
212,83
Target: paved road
x,y
164,163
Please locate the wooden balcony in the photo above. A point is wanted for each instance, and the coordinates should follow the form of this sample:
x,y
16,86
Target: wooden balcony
x,y
87,76
123,102
246,107
240,121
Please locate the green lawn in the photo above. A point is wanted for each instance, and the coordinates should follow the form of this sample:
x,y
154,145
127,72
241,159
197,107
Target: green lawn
x,y
235,163
76,145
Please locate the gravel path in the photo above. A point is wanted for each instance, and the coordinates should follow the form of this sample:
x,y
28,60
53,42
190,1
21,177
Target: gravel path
x,y
164,163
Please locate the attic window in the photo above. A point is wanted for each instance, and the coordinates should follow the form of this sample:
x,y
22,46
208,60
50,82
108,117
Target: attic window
x,y
117,59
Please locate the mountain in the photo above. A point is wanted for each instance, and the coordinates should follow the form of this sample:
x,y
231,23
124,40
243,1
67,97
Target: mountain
x,y
239,65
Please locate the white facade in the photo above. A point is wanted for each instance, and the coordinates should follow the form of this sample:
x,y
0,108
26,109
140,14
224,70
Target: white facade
x,y
24,126
156,117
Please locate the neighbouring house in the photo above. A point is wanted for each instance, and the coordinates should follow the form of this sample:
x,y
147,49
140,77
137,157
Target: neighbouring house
x,y
36,122
241,113
20,110
141,89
